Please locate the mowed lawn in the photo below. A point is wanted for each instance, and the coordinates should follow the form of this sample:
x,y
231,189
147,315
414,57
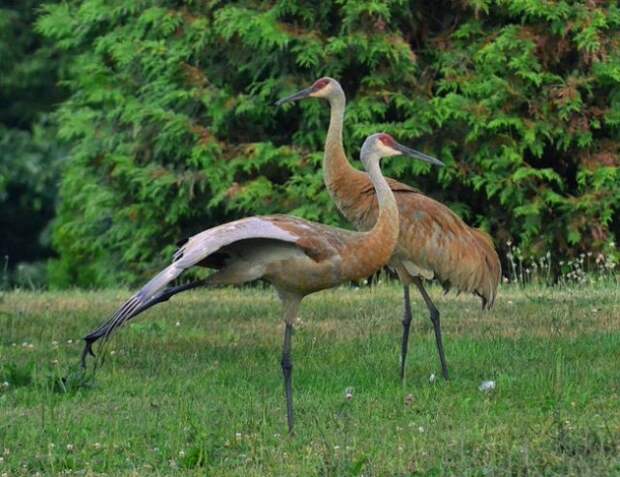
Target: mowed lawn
x,y
194,386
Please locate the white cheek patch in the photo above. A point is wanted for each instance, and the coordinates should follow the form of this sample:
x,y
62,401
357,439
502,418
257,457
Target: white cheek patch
x,y
386,150
325,90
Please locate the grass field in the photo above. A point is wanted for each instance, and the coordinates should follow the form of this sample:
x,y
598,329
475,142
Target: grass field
x,y
194,387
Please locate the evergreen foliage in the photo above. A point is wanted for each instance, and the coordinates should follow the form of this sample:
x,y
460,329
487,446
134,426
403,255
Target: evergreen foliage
x,y
173,126
29,153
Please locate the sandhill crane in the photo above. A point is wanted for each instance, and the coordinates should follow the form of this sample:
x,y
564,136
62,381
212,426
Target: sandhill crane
x,y
296,256
433,243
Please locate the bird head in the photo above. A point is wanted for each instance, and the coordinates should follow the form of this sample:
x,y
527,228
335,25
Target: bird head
x,y
322,88
381,145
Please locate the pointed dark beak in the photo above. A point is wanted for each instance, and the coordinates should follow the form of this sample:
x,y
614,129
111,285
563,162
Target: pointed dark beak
x,y
418,155
304,93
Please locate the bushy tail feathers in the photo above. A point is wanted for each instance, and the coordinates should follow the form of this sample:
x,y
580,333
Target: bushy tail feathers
x,y
492,273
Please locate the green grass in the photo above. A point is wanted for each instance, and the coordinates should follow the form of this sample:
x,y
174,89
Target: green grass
x,y
194,387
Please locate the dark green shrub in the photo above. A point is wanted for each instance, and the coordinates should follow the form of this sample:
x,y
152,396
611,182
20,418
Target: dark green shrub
x,y
29,154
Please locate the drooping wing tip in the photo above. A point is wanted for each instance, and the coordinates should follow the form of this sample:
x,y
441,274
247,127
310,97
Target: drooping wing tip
x,y
124,313
88,350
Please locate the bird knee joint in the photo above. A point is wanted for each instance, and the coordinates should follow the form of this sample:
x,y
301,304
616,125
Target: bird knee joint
x,y
287,364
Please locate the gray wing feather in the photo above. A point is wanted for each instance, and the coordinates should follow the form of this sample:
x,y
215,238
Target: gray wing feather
x,y
205,243
201,245
196,249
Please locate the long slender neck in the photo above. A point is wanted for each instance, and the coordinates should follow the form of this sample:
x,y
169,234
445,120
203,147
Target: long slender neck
x,y
387,226
336,167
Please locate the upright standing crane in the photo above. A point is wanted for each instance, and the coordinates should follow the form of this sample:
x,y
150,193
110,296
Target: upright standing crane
x,y
433,243
296,256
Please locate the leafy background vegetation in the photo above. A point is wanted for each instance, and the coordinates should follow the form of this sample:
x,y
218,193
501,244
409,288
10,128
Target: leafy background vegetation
x,y
30,153
170,121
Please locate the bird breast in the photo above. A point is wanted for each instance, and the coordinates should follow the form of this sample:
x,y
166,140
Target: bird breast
x,y
297,272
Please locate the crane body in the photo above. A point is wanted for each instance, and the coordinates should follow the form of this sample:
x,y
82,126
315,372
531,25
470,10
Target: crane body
x,y
433,241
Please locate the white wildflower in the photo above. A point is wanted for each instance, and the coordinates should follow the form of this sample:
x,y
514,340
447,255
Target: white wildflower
x,y
348,393
487,386
431,378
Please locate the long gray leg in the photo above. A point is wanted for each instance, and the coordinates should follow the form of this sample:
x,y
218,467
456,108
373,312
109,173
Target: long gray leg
x,y
290,304
434,315
406,326
287,371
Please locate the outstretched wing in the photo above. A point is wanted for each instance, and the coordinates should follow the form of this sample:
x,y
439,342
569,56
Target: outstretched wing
x,y
196,249
203,244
